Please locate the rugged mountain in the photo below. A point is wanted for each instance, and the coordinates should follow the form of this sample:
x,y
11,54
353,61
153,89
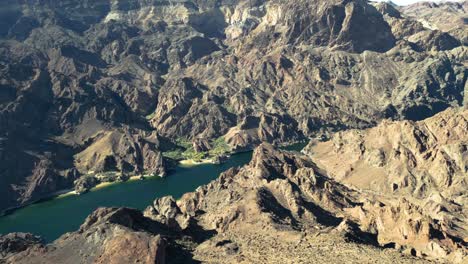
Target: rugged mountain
x,y
87,86
102,86
107,236
449,17
17,242
423,162
280,208
415,158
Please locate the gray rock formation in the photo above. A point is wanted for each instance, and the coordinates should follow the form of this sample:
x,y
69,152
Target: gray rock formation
x,y
445,16
98,85
13,243
280,202
109,235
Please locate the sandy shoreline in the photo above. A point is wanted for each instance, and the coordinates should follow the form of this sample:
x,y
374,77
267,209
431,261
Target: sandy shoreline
x,y
105,184
69,192
183,163
191,162
64,193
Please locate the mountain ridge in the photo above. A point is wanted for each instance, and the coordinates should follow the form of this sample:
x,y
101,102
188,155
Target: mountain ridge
x,y
73,69
94,87
280,202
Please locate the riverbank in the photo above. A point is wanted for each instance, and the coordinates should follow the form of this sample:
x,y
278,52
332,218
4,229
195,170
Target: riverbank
x,y
132,178
54,195
287,146
67,193
187,163
52,218
191,162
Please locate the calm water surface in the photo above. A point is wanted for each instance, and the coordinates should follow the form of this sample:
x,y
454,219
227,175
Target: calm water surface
x,y
52,218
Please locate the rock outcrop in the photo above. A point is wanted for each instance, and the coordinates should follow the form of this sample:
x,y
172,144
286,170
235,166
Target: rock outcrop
x,y
253,130
415,158
445,16
92,86
422,164
280,202
13,243
124,151
109,235
201,145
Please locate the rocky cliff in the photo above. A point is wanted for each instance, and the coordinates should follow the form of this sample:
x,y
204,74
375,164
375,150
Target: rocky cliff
x,y
445,16
280,208
414,158
424,163
95,85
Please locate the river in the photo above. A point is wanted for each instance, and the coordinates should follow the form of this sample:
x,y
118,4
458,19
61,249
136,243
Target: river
x,y
54,217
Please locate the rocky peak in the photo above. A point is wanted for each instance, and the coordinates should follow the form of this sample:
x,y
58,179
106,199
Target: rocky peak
x,y
388,8
121,216
291,207
269,163
109,235
99,85
414,157
14,243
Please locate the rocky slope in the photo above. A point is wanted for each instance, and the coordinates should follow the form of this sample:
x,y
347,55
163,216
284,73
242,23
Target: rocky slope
x,y
280,208
445,16
424,163
414,158
87,86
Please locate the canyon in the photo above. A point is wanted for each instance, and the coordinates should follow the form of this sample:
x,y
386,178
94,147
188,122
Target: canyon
x,y
122,87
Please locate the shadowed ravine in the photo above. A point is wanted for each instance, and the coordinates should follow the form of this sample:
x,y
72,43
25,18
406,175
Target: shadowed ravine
x,y
97,94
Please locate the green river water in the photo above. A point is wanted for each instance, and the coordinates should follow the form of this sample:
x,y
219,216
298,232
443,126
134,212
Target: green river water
x,y
54,217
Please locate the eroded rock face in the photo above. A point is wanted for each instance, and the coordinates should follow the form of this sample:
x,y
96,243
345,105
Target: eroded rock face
x,y
416,158
266,128
122,150
421,164
280,202
109,235
13,243
89,82
201,145
448,16
85,184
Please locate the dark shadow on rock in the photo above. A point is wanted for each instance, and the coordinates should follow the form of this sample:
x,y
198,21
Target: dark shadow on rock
x,y
323,217
269,204
356,235
417,113
177,253
197,233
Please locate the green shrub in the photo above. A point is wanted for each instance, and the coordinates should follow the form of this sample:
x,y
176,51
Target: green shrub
x,y
184,143
176,154
220,147
191,154
184,150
